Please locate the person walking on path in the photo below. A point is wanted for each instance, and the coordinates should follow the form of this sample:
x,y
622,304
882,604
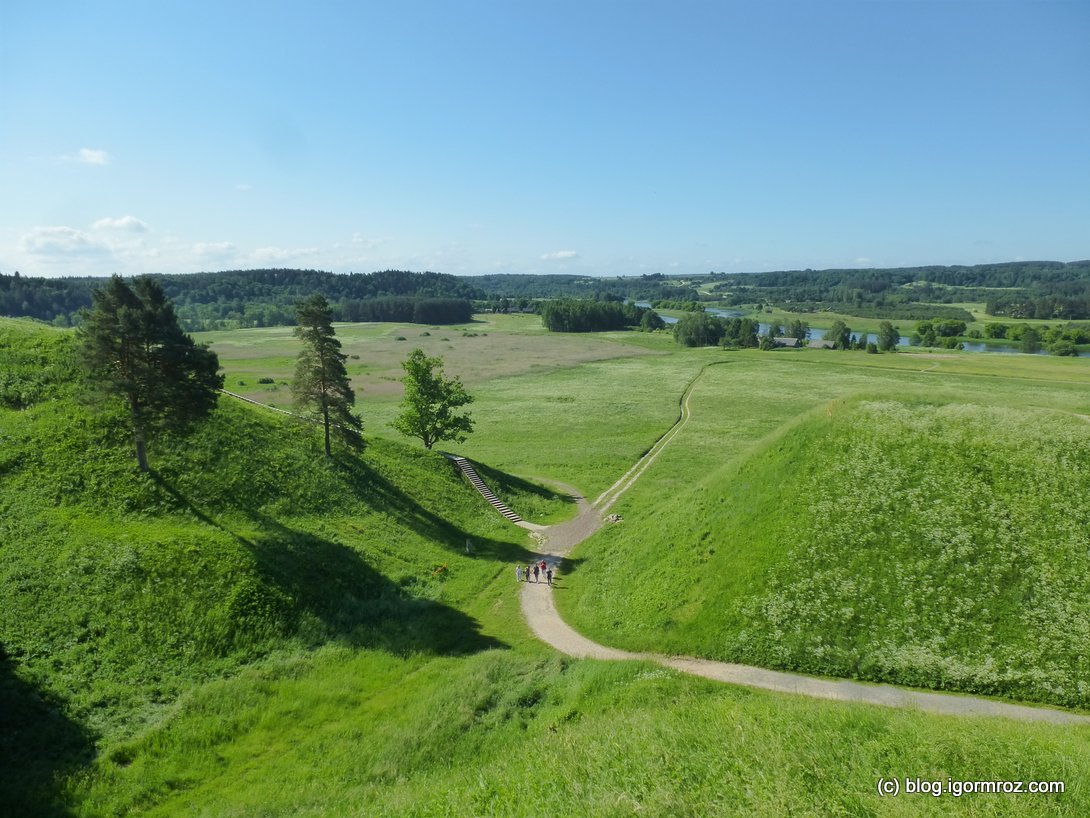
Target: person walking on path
x,y
518,573
535,572
549,575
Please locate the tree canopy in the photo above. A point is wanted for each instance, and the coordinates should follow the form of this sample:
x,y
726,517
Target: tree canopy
x,y
133,347
321,381
428,409
698,329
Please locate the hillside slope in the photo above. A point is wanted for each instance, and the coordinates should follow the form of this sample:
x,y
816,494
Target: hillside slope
x,y
119,591
940,546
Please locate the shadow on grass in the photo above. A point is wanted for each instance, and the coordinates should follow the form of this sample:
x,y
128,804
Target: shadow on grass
x,y
570,565
39,747
503,483
322,589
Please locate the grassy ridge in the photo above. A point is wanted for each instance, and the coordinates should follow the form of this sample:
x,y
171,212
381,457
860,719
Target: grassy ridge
x,y
932,545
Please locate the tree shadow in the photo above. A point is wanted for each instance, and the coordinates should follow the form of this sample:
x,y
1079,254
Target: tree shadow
x,y
326,591
502,481
39,748
375,490
330,582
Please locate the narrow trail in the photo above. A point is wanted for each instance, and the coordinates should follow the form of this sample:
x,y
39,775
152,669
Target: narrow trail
x,y
539,608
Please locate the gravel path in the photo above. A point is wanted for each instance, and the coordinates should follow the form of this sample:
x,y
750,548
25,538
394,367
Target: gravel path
x,y
554,542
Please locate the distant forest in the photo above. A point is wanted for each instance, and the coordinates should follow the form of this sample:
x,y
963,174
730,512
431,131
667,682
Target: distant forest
x,y
257,298
1023,289
261,298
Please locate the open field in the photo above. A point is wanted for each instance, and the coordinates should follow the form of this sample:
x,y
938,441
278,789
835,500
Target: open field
x,y
259,632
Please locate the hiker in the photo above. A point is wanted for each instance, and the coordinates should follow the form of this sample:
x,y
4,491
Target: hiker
x,y
526,572
518,573
543,566
535,572
549,575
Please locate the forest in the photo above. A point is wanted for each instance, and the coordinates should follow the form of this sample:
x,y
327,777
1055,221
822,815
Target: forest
x,y
259,298
585,315
1030,289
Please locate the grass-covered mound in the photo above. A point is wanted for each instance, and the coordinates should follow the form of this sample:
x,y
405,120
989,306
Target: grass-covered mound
x,y
119,590
943,546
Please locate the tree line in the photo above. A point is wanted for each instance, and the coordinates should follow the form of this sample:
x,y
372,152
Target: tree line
x,y
586,315
1034,289
245,298
696,329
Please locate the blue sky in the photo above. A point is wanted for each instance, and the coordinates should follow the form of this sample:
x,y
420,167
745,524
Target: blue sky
x,y
605,138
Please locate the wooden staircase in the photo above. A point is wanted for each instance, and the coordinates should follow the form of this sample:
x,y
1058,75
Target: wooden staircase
x,y
478,483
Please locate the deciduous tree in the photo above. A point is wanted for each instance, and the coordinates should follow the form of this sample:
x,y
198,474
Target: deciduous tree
x,y
428,409
888,337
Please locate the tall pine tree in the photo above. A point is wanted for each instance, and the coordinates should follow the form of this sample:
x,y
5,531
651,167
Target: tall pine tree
x,y
321,381
133,348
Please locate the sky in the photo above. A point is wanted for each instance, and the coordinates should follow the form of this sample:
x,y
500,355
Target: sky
x,y
595,137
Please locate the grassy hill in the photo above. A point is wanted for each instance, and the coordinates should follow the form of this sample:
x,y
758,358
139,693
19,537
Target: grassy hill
x,y
255,630
119,591
925,543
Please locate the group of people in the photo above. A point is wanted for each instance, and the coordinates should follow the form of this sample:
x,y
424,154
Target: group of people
x,y
537,569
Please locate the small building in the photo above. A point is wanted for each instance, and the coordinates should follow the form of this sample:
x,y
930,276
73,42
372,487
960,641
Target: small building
x,y
821,344
787,342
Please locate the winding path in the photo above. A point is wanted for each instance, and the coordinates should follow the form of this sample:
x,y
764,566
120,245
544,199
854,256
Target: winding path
x,y
545,621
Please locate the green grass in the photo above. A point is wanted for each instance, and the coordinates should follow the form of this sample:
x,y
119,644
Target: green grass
x,y
502,733
531,388
259,631
935,537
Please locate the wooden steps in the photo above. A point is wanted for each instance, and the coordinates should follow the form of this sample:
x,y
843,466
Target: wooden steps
x,y
478,483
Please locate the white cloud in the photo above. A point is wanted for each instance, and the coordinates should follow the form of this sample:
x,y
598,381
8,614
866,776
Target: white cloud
x,y
88,156
129,224
862,261
60,241
243,187
560,255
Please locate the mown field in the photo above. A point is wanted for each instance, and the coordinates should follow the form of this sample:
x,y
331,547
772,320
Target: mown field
x,y
257,631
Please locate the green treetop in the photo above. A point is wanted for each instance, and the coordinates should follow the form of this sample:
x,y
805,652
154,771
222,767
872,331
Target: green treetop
x,y
430,400
132,345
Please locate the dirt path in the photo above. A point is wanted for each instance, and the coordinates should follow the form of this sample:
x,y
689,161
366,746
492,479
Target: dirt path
x,y
545,621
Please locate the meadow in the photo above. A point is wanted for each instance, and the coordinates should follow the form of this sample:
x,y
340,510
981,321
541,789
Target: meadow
x,y
257,631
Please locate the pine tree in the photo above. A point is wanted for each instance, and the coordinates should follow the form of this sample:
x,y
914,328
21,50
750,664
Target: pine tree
x,y
133,348
429,402
321,381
